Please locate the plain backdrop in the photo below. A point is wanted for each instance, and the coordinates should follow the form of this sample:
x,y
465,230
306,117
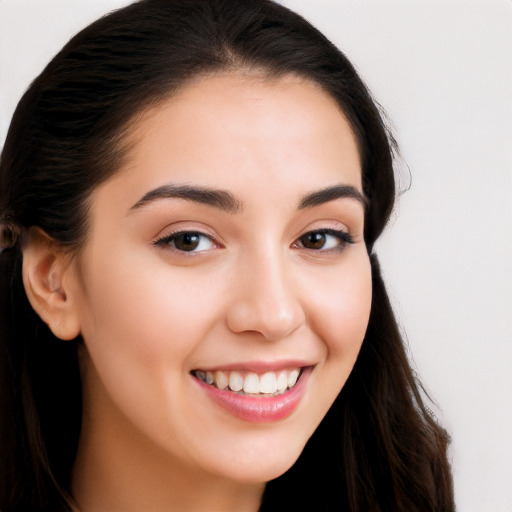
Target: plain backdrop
x,y
443,72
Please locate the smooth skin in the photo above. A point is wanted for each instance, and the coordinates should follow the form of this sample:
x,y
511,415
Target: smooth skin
x,y
260,281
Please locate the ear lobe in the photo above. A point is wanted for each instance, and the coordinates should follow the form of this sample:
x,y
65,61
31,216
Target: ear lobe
x,y
46,278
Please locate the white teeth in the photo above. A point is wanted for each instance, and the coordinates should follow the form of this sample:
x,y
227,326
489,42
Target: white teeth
x,y
270,383
221,380
251,383
292,377
282,382
236,381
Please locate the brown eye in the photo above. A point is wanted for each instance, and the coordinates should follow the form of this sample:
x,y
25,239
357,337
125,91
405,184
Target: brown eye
x,y
187,241
314,240
325,240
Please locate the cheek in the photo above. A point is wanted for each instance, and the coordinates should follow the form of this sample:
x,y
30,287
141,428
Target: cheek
x,y
141,330
338,315
341,319
343,309
148,312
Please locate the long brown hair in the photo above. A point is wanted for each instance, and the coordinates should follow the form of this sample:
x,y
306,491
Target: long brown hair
x,y
378,448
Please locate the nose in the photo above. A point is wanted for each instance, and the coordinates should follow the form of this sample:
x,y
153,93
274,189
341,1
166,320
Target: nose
x,y
265,300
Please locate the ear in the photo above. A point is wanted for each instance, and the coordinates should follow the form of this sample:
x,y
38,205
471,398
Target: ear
x,y
47,278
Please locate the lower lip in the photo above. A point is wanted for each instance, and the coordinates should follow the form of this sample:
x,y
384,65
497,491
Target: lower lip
x,y
256,409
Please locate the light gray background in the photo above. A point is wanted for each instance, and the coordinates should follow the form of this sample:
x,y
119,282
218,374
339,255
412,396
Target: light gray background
x,y
443,71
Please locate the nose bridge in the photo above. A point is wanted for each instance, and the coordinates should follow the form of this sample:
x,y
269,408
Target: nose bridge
x,y
266,298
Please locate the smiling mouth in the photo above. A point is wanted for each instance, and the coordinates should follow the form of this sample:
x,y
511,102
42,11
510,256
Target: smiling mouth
x,y
250,383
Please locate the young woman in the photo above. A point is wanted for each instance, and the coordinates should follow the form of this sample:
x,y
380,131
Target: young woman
x,y
193,317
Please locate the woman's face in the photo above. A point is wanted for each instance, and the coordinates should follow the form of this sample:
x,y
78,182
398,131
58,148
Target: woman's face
x,y
223,261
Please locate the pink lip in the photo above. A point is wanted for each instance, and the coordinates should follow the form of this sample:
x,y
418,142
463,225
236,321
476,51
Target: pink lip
x,y
260,366
259,409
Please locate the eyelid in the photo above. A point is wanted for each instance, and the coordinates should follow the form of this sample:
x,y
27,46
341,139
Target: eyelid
x,y
187,226
328,225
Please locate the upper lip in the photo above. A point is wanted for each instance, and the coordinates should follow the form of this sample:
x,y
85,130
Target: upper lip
x,y
258,366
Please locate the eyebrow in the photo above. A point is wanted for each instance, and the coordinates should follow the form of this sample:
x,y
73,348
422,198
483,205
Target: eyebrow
x,y
330,194
226,201
221,199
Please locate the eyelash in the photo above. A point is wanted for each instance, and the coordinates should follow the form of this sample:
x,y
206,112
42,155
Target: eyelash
x,y
170,239
343,237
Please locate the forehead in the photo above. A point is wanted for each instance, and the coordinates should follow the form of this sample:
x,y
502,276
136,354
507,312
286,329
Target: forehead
x,y
235,130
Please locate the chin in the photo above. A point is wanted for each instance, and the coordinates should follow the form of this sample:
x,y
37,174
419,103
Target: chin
x,y
263,466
